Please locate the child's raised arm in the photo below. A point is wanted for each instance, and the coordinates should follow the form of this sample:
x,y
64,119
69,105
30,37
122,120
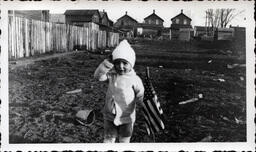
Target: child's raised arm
x,y
102,70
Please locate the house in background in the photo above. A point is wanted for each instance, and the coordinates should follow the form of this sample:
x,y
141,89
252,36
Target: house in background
x,y
42,15
82,17
152,26
181,27
105,23
127,25
104,18
57,18
154,19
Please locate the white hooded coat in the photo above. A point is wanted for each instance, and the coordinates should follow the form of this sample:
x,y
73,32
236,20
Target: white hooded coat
x,y
123,90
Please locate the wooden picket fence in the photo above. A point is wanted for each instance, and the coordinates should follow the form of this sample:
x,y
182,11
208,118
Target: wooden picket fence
x,y
29,37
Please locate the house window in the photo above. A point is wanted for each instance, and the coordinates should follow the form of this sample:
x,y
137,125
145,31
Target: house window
x,y
157,21
139,30
177,21
185,21
149,21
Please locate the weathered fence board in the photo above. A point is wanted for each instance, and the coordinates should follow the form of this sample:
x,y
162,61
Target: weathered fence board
x,y
28,37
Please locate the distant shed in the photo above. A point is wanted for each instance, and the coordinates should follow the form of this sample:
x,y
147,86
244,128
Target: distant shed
x,y
80,17
225,33
200,31
239,41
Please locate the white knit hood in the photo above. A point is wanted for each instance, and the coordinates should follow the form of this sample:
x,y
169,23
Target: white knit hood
x,y
124,51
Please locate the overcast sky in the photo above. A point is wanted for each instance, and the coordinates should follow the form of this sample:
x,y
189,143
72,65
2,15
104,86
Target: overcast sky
x,y
165,10
139,9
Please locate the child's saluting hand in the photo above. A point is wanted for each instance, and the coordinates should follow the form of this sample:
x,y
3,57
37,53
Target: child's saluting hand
x,y
110,58
125,88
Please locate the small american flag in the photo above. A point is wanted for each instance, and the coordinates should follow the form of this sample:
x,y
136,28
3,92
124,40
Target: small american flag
x,y
152,110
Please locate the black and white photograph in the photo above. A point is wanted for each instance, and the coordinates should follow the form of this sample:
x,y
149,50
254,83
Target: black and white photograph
x,y
145,75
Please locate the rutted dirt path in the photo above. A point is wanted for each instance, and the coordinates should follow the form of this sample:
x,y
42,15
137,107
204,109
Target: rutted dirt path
x,y
31,60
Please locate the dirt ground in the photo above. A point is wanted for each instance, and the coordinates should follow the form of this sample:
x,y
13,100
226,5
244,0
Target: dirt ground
x,y
41,111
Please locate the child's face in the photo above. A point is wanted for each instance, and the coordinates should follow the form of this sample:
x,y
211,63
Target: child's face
x,y
122,66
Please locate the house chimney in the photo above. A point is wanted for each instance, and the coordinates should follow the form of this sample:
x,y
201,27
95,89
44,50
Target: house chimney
x,y
103,10
154,11
125,12
181,10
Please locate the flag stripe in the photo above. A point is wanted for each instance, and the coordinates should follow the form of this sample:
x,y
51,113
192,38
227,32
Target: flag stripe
x,y
159,110
148,126
156,114
148,121
153,98
152,111
151,119
154,106
153,116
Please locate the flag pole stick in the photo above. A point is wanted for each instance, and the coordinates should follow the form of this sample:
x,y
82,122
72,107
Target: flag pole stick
x,y
148,77
147,72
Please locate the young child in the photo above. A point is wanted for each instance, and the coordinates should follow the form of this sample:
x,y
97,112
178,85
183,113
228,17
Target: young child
x,y
125,88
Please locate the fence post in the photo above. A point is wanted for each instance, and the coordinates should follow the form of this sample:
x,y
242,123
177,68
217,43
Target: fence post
x,y
28,37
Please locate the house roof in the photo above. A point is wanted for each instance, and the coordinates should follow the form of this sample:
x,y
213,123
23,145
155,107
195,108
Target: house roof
x,y
102,14
181,14
237,27
111,22
127,17
152,16
81,12
87,14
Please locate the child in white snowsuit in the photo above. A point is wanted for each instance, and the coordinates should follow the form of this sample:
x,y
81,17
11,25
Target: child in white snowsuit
x,y
125,88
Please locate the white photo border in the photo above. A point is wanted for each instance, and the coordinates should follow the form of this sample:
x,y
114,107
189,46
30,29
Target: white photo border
x,y
68,4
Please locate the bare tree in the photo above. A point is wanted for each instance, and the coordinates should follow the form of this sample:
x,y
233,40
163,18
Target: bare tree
x,y
220,17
